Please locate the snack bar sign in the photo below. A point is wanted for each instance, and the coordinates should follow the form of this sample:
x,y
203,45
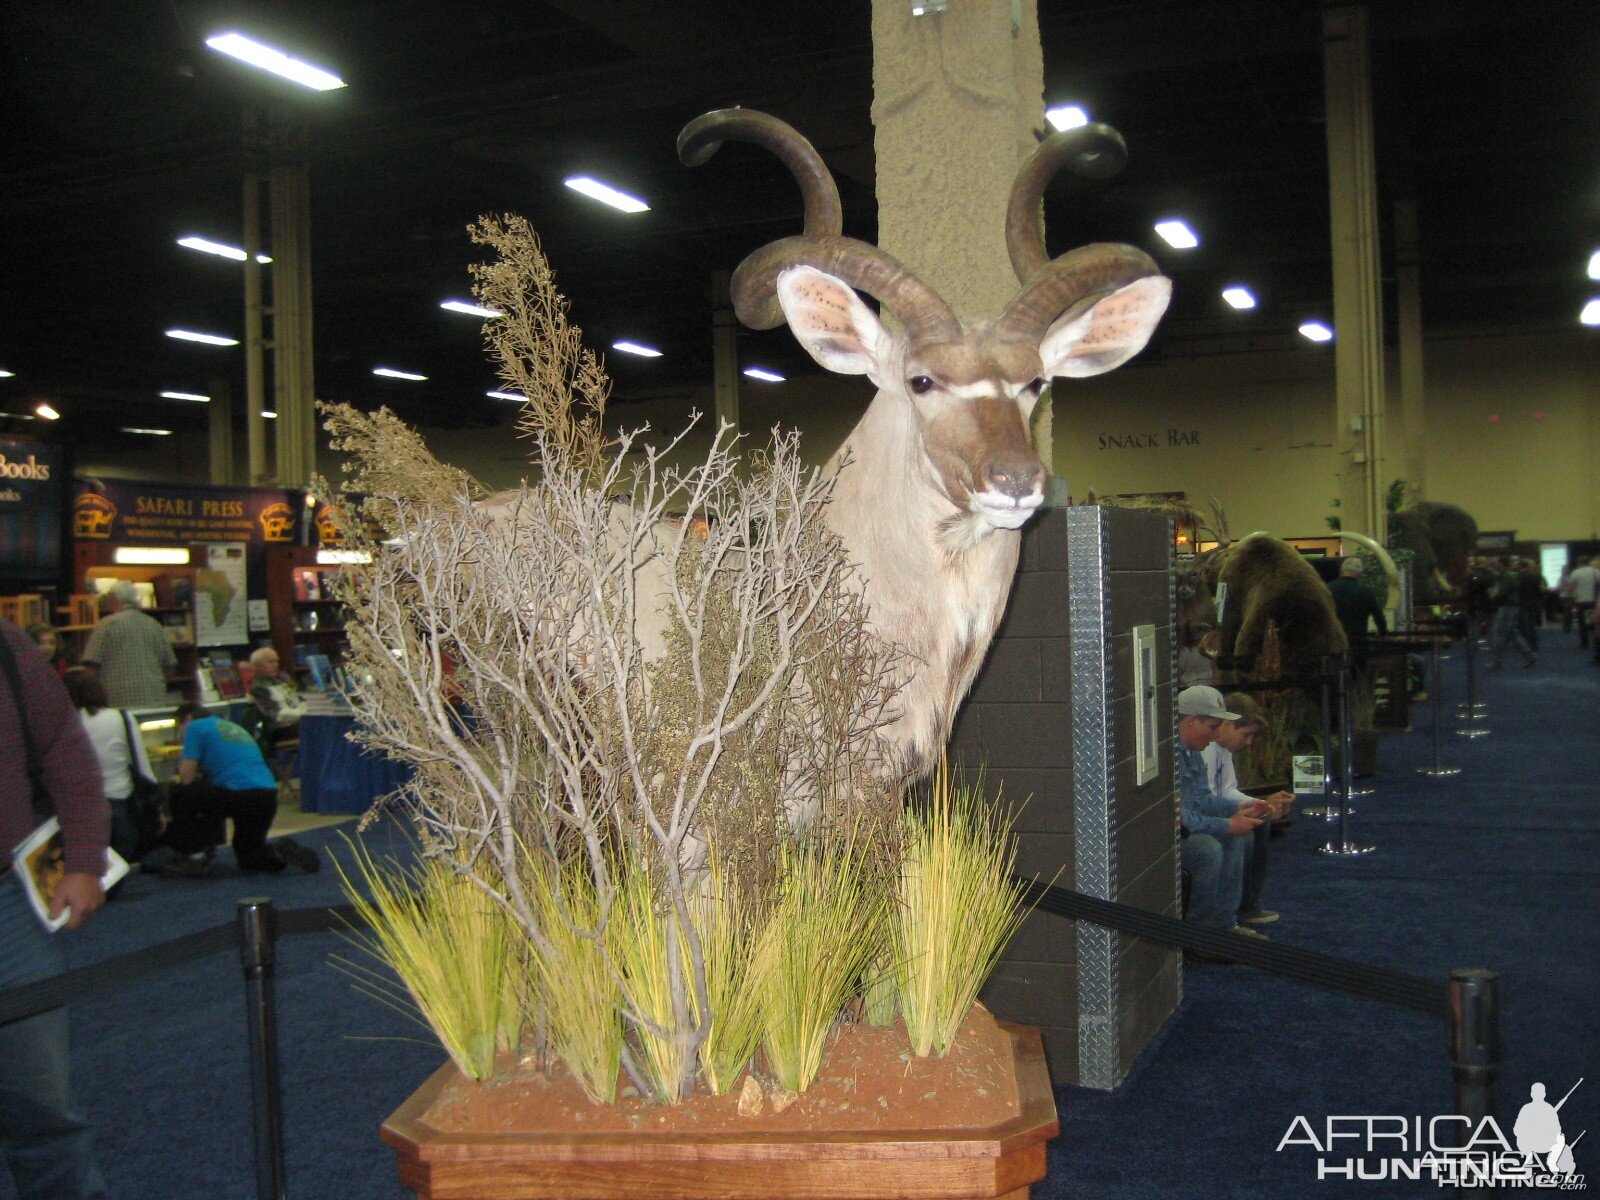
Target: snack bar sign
x,y
127,511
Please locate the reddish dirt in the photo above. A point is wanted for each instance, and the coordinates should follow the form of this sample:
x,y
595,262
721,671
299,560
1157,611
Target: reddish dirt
x,y
870,1080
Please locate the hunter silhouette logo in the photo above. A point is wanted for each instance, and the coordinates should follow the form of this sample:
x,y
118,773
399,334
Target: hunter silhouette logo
x,y
330,531
92,515
277,522
1447,1150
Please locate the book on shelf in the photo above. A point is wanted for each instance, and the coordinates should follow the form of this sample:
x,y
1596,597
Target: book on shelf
x,y
307,586
40,862
229,685
208,685
321,671
179,628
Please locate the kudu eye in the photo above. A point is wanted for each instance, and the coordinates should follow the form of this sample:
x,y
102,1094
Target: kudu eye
x,y
920,385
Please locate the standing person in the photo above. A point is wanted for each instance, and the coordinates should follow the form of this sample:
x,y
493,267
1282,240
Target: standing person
x,y
1356,604
129,651
1503,631
1217,835
1583,585
49,642
119,750
45,1144
1530,602
238,785
1234,737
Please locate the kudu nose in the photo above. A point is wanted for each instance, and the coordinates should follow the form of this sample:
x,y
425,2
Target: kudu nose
x,y
1017,480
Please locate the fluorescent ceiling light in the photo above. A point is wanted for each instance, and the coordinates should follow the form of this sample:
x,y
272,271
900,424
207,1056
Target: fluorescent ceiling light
x,y
195,396
636,348
151,432
472,310
1316,331
45,411
150,556
1591,313
763,375
329,557
1066,116
596,190
1239,297
506,396
221,249
1177,235
1594,265
8,374
269,414
250,51
207,339
391,373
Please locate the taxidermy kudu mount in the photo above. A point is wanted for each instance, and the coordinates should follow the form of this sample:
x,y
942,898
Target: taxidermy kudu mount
x,y
934,484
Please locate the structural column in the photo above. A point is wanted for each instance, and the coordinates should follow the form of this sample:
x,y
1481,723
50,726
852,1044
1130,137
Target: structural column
x,y
957,98
1411,454
293,378
255,379
1357,299
724,352
220,416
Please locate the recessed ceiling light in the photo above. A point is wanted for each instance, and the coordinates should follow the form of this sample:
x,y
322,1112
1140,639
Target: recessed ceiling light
x,y
1316,331
472,310
1594,265
248,50
764,375
606,194
45,411
195,396
220,249
506,396
1066,116
391,373
151,432
1239,297
269,414
206,339
1177,235
1591,313
636,348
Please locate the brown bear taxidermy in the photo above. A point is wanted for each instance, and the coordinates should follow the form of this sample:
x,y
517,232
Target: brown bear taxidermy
x,y
1269,580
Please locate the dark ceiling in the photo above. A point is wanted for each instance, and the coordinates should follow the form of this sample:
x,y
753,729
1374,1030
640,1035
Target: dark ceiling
x,y
124,132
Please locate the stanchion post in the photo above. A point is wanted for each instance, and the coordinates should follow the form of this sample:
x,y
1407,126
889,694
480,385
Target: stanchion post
x,y
258,951
1472,711
1325,809
1341,843
1474,1042
1438,770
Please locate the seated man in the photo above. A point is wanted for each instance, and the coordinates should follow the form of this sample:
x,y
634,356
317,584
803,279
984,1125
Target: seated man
x,y
238,785
1218,833
1233,737
274,694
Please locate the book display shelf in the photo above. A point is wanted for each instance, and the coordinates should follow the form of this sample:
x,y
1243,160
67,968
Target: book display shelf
x,y
307,620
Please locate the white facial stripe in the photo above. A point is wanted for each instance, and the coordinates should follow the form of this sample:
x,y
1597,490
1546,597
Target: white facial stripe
x,y
982,390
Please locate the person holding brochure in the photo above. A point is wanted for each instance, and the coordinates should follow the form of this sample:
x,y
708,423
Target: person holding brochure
x,y
45,1144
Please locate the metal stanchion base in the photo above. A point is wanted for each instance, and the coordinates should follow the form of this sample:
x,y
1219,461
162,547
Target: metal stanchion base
x,y
1317,810
1347,849
1438,772
1362,789
1472,731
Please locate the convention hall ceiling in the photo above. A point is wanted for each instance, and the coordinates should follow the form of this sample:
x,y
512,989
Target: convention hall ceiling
x,y
123,132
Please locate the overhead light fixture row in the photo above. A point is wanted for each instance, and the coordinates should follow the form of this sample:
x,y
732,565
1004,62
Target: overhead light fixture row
x,y
220,249
1591,313
506,396
195,397
606,194
205,339
45,411
269,414
471,309
763,374
8,374
1316,331
151,432
258,54
1239,297
636,348
1177,234
1066,116
1594,265
391,373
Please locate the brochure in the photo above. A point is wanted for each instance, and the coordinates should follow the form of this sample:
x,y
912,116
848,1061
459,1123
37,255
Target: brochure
x,y
40,862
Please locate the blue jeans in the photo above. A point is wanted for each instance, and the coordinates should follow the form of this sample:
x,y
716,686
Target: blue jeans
x,y
1216,873
43,1141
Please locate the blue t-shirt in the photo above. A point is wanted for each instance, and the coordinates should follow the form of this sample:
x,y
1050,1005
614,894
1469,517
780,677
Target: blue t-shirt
x,y
227,754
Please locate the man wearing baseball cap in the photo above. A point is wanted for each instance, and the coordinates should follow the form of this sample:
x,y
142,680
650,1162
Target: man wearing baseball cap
x,y
1217,833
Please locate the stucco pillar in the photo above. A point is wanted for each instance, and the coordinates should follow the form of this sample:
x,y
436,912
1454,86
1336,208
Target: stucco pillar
x,y
957,97
1409,449
1357,298
724,352
292,373
219,443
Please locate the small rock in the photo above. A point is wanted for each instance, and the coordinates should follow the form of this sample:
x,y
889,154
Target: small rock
x,y
782,1098
750,1098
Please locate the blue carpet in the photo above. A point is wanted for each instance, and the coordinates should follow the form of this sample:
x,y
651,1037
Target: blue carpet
x,y
1497,868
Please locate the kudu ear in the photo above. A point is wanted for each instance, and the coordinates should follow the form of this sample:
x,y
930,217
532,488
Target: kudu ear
x,y
830,321
1107,333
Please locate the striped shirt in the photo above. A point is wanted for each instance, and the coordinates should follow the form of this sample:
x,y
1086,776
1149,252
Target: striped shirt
x,y
134,657
68,767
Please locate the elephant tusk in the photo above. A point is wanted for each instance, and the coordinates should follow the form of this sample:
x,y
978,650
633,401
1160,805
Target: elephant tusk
x,y
1390,571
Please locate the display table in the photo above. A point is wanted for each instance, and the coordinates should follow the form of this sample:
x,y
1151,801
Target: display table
x,y
338,776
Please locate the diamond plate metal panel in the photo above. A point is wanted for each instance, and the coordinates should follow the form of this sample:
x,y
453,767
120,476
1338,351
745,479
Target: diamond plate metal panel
x,y
1093,790
1172,674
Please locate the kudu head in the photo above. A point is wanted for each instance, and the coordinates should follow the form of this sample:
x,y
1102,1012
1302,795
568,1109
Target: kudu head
x,y
969,390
